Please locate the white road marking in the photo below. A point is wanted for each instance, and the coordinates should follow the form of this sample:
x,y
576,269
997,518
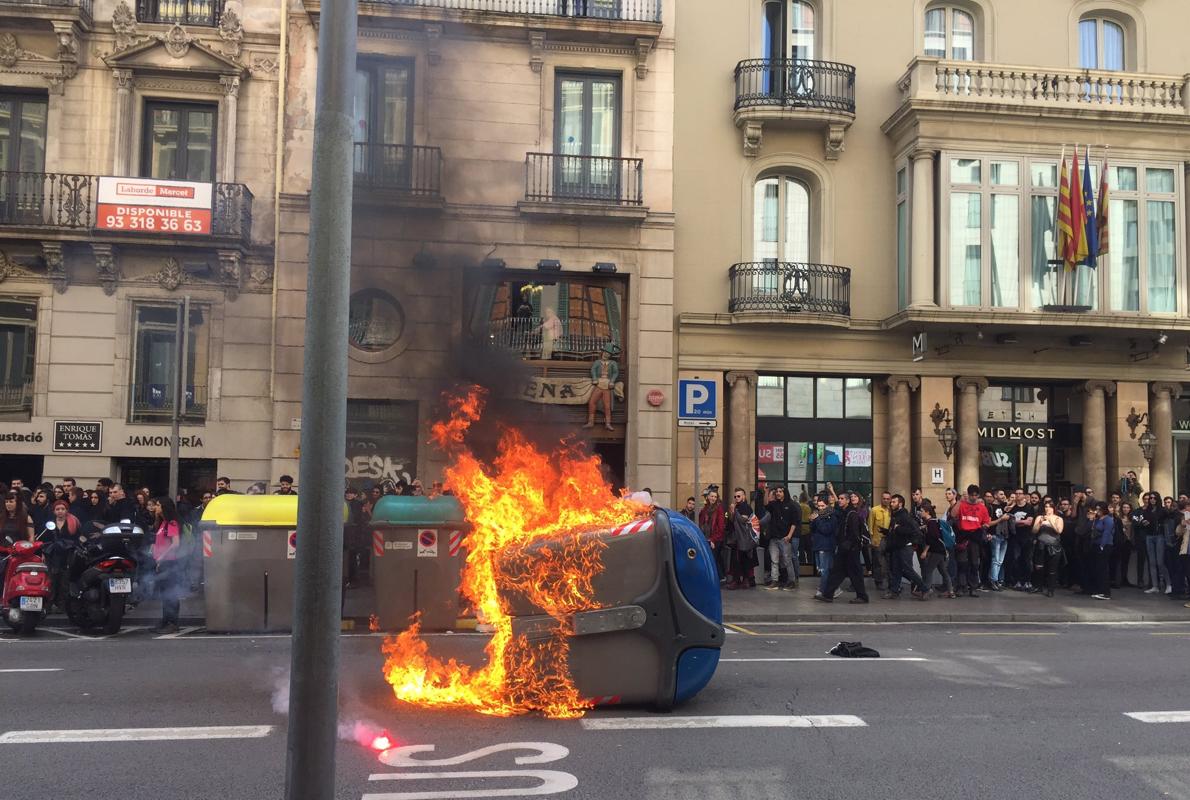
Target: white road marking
x,y
107,735
69,635
1159,716
181,632
550,782
658,723
34,669
816,658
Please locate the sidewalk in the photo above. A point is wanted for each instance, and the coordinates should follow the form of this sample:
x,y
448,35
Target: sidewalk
x,y
1127,605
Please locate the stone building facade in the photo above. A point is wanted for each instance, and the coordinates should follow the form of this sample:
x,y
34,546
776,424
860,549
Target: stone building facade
x,y
179,99
513,217
866,199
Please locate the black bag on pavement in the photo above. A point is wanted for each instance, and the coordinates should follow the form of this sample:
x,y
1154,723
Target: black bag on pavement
x,y
853,650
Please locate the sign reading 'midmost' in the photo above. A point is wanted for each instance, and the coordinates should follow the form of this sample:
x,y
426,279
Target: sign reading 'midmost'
x,y
143,205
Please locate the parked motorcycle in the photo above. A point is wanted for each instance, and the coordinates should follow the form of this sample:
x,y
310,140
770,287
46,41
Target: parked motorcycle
x,y
101,571
25,597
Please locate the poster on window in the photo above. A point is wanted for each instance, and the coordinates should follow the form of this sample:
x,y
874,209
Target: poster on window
x,y
770,453
142,205
857,457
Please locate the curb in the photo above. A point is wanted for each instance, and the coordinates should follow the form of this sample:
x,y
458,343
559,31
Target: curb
x,y
869,618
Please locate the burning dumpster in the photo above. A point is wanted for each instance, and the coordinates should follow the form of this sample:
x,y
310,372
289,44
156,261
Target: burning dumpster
x,y
417,559
656,634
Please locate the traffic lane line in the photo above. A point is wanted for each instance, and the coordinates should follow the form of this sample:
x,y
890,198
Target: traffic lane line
x,y
657,723
108,735
32,669
1157,717
817,658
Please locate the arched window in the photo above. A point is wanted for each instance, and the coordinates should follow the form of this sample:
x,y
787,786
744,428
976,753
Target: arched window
x,y
1101,44
781,220
790,30
949,33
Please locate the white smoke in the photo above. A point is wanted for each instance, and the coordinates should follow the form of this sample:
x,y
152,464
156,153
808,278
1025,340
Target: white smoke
x,y
360,731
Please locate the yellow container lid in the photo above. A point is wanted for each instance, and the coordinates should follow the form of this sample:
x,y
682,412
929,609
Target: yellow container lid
x,y
254,510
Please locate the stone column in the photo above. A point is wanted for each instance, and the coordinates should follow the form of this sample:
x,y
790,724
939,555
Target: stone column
x,y
1161,423
122,140
1094,435
900,466
741,432
921,253
227,144
967,427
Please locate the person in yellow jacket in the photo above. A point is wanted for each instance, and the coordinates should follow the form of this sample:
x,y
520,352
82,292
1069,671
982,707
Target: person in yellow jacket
x,y
879,521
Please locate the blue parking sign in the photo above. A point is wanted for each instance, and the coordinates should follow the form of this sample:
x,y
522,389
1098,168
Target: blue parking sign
x,y
696,401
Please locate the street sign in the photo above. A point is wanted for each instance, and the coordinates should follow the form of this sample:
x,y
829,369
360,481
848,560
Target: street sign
x,y
937,476
696,403
142,205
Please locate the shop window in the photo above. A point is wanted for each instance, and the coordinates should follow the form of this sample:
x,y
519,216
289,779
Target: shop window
x,y
18,338
769,391
155,357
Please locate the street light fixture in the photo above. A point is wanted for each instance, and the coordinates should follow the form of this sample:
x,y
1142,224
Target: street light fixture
x,y
705,435
943,429
1148,443
1148,439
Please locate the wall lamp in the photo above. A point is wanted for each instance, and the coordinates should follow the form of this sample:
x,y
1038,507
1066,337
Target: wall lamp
x,y
1148,440
549,265
943,429
492,263
604,266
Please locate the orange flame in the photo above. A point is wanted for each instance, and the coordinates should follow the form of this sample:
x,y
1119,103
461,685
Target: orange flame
x,y
528,511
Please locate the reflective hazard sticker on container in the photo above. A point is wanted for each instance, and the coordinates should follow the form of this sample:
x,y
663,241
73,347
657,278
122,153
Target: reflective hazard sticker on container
x,y
456,542
427,543
206,544
378,544
291,545
639,526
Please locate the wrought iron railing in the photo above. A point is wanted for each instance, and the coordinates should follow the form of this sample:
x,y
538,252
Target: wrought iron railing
x,y
410,169
185,12
84,6
570,340
795,83
789,288
57,200
622,10
154,402
551,177
16,397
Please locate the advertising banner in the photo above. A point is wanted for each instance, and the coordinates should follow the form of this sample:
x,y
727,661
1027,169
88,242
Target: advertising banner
x,y
144,205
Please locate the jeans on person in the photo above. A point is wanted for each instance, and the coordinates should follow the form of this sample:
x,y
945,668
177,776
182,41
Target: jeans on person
x,y
1177,571
823,559
998,551
878,561
1101,577
1158,574
936,562
846,564
780,555
969,564
170,591
900,565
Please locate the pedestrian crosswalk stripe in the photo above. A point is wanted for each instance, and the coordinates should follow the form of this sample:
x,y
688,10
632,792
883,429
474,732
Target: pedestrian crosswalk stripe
x,y
657,723
1159,716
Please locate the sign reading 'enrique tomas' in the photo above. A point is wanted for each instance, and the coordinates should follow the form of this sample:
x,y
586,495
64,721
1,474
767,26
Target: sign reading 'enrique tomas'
x,y
78,437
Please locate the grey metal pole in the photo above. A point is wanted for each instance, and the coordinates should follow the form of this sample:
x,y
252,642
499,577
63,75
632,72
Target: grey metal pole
x,y
697,450
176,381
314,669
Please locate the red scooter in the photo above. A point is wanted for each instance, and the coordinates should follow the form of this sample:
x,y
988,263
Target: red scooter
x,y
26,588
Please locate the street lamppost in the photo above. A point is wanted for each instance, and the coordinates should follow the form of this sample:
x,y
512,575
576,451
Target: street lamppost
x,y
943,429
1148,439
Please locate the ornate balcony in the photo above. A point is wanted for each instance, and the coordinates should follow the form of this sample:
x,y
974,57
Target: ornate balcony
x,y
154,402
40,201
613,10
398,174
932,84
795,93
65,10
598,186
183,12
16,398
781,291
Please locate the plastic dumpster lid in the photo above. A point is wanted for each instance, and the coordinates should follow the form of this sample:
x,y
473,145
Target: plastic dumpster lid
x,y
254,510
411,511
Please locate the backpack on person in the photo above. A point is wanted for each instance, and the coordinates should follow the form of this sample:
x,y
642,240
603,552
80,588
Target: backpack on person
x,y
948,538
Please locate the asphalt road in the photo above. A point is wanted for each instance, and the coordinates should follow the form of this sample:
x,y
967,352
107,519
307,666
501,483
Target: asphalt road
x,y
950,710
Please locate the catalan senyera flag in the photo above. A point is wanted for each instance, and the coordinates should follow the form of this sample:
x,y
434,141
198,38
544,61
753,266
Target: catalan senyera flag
x,y
1101,221
1065,227
1077,252
1091,222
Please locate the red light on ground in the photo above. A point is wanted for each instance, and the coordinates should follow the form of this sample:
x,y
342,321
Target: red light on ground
x,y
382,743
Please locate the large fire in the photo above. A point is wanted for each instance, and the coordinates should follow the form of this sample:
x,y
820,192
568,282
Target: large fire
x,y
524,497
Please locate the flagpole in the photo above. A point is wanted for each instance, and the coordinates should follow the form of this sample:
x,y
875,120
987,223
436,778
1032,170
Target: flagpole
x,y
1075,281
1060,289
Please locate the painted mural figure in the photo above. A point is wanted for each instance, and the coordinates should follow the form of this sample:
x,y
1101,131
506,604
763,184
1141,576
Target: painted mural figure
x,y
604,374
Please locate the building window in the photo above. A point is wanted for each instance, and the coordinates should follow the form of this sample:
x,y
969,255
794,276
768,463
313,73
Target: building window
x,y
22,133
781,220
155,353
587,126
789,30
179,142
375,321
903,237
384,120
381,442
1101,44
949,33
18,338
999,232
800,397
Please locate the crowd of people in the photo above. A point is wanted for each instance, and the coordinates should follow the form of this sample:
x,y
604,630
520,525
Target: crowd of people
x,y
981,541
